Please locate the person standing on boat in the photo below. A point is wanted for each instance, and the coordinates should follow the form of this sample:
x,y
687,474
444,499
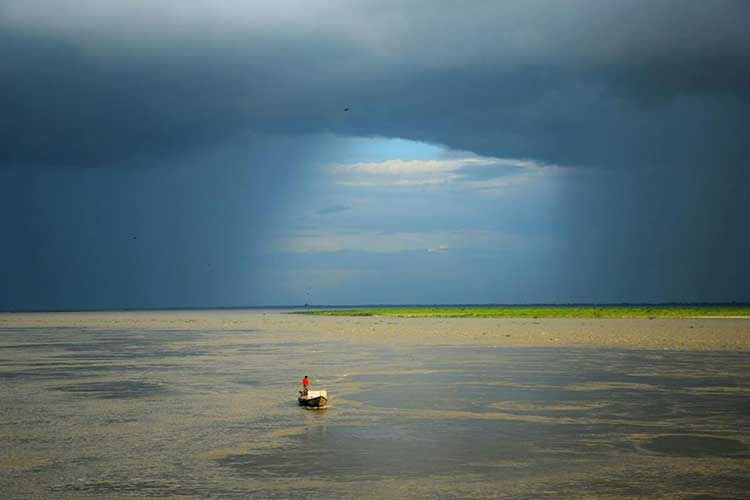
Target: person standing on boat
x,y
305,384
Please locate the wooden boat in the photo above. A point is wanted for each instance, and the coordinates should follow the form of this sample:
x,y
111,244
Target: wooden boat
x,y
313,399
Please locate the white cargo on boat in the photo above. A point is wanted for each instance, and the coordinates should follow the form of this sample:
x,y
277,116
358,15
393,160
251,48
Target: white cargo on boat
x,y
313,399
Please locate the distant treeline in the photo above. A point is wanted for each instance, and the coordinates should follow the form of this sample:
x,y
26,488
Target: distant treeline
x,y
543,312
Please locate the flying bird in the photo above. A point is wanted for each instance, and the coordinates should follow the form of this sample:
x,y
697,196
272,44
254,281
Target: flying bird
x,y
346,108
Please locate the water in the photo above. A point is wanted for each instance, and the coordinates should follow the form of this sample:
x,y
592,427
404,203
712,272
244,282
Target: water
x,y
212,414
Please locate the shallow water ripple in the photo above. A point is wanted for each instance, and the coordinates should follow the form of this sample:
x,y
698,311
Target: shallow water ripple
x,y
155,414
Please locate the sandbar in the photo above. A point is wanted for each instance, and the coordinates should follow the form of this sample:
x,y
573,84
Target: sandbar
x,y
700,334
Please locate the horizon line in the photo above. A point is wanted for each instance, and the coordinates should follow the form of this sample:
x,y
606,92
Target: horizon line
x,y
373,306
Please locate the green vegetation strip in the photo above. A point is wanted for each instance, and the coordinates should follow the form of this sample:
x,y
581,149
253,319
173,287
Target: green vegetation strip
x,y
541,312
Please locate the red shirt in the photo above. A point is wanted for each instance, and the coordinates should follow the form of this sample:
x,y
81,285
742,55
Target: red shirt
x,y
305,382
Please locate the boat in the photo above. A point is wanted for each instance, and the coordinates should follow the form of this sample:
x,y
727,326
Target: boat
x,y
313,399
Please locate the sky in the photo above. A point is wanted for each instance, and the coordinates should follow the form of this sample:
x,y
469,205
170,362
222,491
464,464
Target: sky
x,y
239,153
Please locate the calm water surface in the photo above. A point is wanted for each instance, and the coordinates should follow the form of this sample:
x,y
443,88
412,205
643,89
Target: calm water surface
x,y
186,414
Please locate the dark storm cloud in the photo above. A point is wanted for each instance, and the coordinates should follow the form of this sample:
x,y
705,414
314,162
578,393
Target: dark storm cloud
x,y
183,234
218,107
656,235
601,83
